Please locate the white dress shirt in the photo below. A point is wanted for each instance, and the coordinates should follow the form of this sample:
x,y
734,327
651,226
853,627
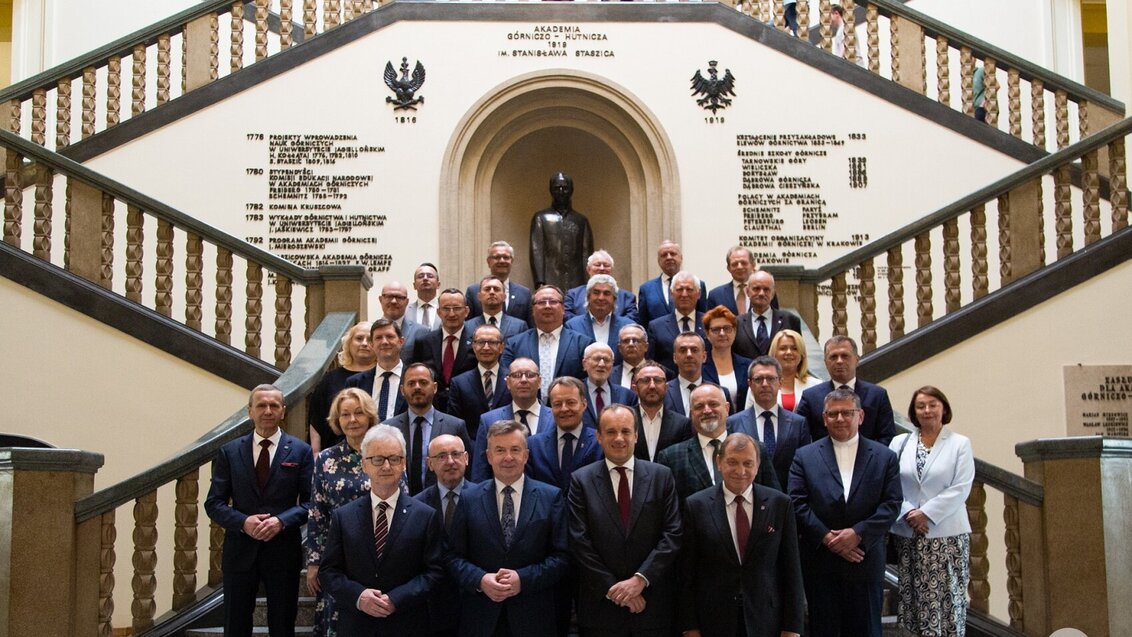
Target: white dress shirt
x,y
256,449
532,417
846,455
686,394
394,389
391,501
601,328
709,451
759,420
615,476
516,497
651,427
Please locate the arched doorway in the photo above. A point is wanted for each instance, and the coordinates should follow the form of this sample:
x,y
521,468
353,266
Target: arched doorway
x,y
503,152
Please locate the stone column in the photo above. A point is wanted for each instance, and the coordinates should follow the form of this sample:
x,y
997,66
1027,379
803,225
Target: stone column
x,y
1076,565
46,584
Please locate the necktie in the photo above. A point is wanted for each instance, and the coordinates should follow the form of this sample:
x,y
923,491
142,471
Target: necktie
x,y
742,526
567,463
545,362
843,387
714,464
383,397
768,434
380,528
449,509
761,337
449,358
741,299
426,320
488,386
686,324
522,414
491,320
623,500
599,402
632,375
668,292
508,519
415,471
263,463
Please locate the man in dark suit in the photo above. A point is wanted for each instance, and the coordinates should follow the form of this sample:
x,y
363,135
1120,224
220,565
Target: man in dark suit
x,y
421,423
689,358
692,461
778,430
653,300
426,283
600,262
386,342
491,304
633,347
841,360
599,322
846,494
384,552
742,574
685,318
508,545
657,428
448,459
599,392
556,452
523,383
261,494
564,346
758,326
394,300
516,297
479,390
448,350
733,294
625,535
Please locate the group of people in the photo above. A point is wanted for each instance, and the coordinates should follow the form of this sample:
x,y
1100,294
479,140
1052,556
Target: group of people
x,y
498,461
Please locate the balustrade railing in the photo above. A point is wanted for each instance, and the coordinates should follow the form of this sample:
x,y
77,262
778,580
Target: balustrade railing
x,y
129,243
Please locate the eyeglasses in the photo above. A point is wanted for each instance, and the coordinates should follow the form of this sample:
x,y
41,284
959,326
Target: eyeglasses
x,y
569,403
548,302
608,360
449,455
764,380
841,413
486,343
394,298
451,309
632,340
721,329
523,375
394,461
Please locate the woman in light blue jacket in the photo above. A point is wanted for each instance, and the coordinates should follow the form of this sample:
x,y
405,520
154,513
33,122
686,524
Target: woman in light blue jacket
x,y
933,534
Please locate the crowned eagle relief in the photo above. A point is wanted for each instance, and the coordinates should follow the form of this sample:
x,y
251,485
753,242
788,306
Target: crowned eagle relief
x,y
713,88
406,86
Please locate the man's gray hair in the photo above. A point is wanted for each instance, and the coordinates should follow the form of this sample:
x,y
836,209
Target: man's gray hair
x,y
383,432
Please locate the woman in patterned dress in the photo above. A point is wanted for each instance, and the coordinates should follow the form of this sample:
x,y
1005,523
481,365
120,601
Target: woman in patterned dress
x,y
338,480
933,534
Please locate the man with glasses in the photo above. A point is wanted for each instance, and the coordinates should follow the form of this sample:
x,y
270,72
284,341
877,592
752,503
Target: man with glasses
x,y
448,459
555,349
426,282
632,347
516,297
448,350
657,428
841,359
508,544
759,325
523,383
846,493
384,552
778,430
490,297
478,391
394,301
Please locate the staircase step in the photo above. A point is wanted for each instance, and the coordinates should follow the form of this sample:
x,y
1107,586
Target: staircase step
x,y
304,618
258,630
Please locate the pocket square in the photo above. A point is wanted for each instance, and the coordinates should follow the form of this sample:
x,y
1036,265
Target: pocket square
x,y
289,465
770,529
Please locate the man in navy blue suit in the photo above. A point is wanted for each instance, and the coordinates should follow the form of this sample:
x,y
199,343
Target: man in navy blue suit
x,y
779,431
599,321
846,493
684,318
733,294
600,262
563,347
508,545
516,297
556,452
632,347
758,326
384,552
490,297
261,494
479,390
653,300
841,360
523,383
448,459
448,350
383,382
599,391
689,358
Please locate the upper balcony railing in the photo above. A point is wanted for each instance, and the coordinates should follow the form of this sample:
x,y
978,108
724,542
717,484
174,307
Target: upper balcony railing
x,y
138,72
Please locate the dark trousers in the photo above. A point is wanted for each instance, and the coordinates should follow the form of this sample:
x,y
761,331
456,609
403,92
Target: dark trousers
x,y
277,567
840,607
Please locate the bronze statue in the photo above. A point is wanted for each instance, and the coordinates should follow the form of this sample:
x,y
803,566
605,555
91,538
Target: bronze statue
x,y
561,239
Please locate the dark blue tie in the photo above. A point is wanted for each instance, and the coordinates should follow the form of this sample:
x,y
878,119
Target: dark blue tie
x,y
567,463
508,518
768,434
762,339
383,397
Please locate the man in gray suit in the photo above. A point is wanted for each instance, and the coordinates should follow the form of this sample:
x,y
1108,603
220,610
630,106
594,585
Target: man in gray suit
x,y
421,423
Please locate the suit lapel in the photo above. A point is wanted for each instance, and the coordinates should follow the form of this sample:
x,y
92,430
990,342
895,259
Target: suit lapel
x,y
603,485
759,527
364,516
720,523
831,464
564,342
491,511
500,387
247,461
696,460
747,327
280,456
641,487
860,466
932,454
526,508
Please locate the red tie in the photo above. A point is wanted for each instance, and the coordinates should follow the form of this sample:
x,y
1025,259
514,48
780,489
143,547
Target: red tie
x,y
599,402
742,526
623,500
380,528
263,463
449,358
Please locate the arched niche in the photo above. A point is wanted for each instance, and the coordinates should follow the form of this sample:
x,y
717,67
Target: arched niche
x,y
505,149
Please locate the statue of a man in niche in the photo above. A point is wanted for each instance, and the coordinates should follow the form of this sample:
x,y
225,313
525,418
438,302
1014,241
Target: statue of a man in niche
x,y
561,239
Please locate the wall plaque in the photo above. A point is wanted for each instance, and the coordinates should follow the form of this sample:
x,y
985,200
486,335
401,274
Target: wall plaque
x,y
1098,399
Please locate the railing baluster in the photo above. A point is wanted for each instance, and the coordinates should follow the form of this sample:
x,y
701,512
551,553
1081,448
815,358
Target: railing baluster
x,y
39,117
113,91
1013,561
236,51
224,295
44,194
872,30
839,302
943,70
260,29
13,183
895,293
826,29
850,30
967,80
990,86
90,90
164,74
67,226
803,7
1091,196
253,322
1038,112
1061,117
330,15
1005,250
194,281
1063,210
286,8
62,114
867,276
1118,183
310,9
134,253
1014,101
1082,119
779,13
282,321
144,581
951,278
137,85
347,11
214,46
924,308
185,540
163,280
106,271
215,554
978,588
106,559
979,283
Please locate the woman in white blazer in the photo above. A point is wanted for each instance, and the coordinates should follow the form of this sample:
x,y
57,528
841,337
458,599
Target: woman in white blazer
x,y
933,534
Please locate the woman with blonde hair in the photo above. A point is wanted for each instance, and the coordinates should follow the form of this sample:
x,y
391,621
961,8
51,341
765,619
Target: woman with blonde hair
x,y
355,356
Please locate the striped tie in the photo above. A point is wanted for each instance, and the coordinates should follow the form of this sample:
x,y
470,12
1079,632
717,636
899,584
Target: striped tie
x,y
380,528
